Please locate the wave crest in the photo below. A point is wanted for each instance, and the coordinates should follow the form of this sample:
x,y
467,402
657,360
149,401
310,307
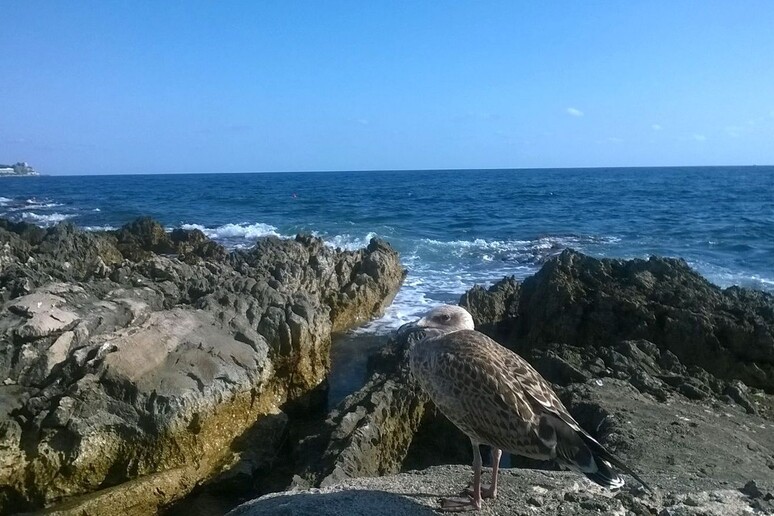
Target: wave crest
x,y
46,219
349,242
236,231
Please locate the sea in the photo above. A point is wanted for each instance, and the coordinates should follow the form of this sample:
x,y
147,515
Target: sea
x,y
453,228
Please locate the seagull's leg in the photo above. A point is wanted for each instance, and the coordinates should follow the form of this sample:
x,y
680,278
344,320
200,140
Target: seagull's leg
x,y
472,502
490,491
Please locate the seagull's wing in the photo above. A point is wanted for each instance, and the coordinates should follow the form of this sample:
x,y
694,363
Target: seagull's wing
x,y
479,388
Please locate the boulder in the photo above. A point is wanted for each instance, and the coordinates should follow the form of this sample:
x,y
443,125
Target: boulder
x,y
583,301
370,431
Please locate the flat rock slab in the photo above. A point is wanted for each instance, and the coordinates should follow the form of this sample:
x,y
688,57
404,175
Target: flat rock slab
x,y
522,492
41,315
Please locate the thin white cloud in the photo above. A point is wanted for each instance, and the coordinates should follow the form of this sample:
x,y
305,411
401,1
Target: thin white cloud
x,y
699,137
574,111
656,127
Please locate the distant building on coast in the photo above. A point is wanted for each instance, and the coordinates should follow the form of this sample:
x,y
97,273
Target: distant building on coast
x,y
20,169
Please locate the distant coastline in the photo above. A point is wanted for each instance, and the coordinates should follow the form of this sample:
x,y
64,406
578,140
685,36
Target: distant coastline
x,y
21,168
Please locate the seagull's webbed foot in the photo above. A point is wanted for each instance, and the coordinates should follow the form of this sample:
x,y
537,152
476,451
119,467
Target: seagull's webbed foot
x,y
487,491
460,504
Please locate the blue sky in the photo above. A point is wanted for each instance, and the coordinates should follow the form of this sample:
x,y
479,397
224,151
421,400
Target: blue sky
x,y
170,87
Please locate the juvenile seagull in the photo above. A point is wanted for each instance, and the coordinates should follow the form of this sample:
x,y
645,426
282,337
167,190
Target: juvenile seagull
x,y
495,397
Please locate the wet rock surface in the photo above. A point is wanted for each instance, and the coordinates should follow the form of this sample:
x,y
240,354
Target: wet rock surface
x,y
136,365
669,372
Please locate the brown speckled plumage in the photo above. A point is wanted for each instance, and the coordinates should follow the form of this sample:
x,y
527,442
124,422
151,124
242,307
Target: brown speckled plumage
x,y
495,397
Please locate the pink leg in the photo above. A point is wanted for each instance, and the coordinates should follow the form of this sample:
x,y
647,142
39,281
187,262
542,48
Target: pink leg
x,y
490,491
472,502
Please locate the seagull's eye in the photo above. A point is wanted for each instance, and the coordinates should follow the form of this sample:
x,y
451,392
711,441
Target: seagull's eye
x,y
445,317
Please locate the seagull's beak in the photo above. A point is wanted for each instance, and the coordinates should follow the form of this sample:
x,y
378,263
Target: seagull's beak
x,y
410,327
421,323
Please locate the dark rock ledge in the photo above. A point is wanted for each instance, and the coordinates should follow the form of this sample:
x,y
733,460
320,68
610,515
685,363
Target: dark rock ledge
x,y
672,373
136,365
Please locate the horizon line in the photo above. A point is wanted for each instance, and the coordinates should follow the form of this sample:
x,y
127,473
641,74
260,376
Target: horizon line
x,y
358,171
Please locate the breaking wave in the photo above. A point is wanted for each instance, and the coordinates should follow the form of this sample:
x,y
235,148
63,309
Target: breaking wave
x,y
347,241
521,251
441,271
99,228
45,219
243,234
230,232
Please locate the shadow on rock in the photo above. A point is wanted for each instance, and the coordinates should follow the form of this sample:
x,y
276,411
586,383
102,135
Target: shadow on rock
x,y
354,502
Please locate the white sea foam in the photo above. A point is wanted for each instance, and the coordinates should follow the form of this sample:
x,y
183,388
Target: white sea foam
x,y
33,203
724,277
99,228
45,219
409,304
5,201
229,232
440,272
240,236
349,242
517,251
540,243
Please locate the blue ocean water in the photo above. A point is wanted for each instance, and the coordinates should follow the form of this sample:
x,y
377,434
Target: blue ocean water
x,y
452,228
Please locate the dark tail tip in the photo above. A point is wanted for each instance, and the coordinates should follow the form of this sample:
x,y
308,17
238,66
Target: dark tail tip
x,y
605,460
605,476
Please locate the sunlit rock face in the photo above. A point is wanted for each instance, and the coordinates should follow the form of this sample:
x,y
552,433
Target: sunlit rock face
x,y
135,364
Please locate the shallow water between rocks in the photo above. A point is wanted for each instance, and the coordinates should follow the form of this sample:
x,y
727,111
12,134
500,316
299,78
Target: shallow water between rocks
x,y
349,360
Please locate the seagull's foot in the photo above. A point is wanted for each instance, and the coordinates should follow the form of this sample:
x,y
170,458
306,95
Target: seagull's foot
x,y
460,504
487,491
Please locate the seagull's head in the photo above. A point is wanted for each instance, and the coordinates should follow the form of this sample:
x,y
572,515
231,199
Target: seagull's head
x,y
446,319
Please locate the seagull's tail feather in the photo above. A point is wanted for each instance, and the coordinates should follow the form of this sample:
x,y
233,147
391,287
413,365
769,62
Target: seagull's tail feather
x,y
604,475
577,450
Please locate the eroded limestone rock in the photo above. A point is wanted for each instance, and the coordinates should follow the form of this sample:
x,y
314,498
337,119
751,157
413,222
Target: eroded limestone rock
x,y
136,365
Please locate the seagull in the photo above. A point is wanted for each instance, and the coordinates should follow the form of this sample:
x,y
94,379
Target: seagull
x,y
496,398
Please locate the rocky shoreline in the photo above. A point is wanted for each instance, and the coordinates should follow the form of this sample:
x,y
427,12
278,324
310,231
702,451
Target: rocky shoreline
x,y
137,365
147,372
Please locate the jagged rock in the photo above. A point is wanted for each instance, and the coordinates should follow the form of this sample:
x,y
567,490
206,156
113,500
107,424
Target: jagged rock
x,y
142,236
491,309
370,431
129,377
582,301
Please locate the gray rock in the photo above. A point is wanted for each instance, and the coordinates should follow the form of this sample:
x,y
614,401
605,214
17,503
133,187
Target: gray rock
x,y
130,377
582,301
370,431
522,492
